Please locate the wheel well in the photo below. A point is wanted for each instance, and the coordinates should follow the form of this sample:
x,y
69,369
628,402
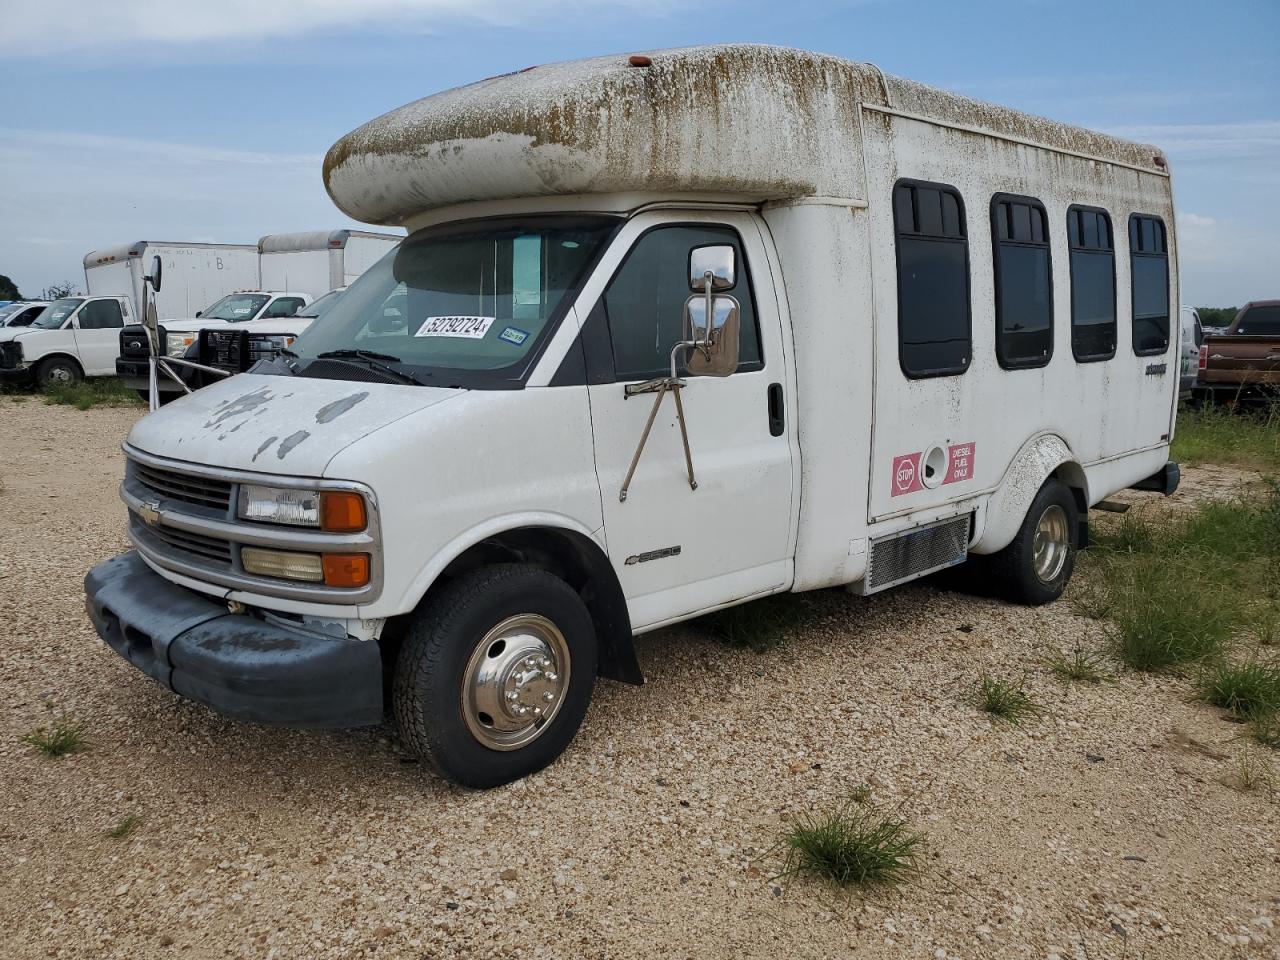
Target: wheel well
x,y
60,356
1071,474
575,559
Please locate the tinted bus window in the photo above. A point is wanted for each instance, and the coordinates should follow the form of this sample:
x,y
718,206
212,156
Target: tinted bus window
x,y
1149,276
1024,282
1093,284
934,319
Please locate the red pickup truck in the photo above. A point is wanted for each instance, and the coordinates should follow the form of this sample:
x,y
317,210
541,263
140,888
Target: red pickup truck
x,y
1244,362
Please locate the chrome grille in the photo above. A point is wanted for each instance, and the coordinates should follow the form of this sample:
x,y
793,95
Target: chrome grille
x,y
173,485
195,545
914,553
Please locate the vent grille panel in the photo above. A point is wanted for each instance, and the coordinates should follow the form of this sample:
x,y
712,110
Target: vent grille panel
x,y
914,553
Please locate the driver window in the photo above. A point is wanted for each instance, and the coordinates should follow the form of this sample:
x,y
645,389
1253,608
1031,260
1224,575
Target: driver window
x,y
645,301
101,315
284,307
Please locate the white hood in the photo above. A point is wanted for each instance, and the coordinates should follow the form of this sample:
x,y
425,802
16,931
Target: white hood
x,y
195,323
282,425
261,325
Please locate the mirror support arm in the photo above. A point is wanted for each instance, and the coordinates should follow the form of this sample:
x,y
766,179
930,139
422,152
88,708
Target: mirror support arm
x,y
662,386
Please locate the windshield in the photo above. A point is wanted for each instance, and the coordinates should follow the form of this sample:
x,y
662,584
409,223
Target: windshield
x,y
317,307
235,307
469,302
55,314
1260,322
8,310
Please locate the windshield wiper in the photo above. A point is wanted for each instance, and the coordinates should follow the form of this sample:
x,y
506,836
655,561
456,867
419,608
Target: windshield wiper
x,y
372,359
358,355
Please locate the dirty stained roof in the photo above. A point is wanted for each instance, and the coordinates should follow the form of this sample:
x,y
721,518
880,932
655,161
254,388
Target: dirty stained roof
x,y
743,120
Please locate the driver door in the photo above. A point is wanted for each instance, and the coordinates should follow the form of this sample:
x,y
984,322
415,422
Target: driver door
x,y
97,333
678,551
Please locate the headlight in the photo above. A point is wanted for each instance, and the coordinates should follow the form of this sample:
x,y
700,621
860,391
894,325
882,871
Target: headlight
x,y
335,511
300,508
175,344
264,347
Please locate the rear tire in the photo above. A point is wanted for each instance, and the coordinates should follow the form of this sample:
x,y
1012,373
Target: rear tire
x,y
58,371
1034,569
495,674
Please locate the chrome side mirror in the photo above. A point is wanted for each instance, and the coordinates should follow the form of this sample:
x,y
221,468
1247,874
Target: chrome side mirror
x,y
715,346
717,262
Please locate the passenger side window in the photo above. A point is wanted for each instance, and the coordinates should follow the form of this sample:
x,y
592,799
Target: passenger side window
x,y
1093,284
284,307
101,315
934,316
644,303
1024,282
1149,277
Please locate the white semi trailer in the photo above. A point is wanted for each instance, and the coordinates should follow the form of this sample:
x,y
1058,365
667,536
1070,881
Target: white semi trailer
x,y
900,328
195,274
320,260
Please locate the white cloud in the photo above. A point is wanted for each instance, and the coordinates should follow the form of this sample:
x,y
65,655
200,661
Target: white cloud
x,y
78,192
33,27
1208,140
1194,221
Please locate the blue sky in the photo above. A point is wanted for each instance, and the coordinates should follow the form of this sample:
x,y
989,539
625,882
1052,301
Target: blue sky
x,y
184,120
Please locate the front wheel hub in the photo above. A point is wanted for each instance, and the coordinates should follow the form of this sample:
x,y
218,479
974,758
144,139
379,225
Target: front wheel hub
x,y
515,681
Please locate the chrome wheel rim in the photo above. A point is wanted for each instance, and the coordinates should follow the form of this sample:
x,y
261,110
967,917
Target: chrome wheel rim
x,y
515,682
59,375
1051,543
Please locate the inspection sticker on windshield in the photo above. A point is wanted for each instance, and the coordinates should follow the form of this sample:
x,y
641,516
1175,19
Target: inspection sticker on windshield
x,y
471,328
513,335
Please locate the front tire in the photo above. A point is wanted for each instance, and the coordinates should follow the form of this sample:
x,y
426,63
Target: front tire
x,y
1034,569
495,674
58,371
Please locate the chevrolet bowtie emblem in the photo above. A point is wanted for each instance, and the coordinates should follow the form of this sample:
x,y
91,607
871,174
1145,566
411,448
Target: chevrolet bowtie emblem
x,y
150,513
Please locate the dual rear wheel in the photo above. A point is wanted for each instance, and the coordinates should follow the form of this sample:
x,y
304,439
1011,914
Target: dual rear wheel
x,y
1035,568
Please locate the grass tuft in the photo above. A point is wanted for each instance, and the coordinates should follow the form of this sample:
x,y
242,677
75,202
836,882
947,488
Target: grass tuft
x,y
102,391
852,847
1079,667
61,737
1006,700
1250,773
1161,619
1266,731
123,829
1224,434
1250,691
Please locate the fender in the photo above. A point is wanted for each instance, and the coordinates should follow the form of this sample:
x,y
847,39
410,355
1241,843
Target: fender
x,y
570,548
1038,459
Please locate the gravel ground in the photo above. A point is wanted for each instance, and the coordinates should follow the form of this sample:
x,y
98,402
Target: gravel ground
x,y
1104,829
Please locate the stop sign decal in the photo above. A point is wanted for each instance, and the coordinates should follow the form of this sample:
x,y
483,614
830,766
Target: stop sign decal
x,y
906,474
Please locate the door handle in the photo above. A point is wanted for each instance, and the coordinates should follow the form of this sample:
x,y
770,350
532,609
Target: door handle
x,y
777,410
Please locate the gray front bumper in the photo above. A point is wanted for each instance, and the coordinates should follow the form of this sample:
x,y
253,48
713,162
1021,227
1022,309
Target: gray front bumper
x,y
235,663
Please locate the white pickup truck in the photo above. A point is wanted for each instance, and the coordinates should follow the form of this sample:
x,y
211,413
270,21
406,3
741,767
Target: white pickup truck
x,y
72,338
242,307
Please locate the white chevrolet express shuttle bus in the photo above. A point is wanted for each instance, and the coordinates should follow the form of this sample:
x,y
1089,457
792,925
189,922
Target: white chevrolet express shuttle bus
x,y
667,333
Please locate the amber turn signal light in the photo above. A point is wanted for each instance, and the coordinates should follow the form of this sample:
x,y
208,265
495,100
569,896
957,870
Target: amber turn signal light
x,y
342,512
346,569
